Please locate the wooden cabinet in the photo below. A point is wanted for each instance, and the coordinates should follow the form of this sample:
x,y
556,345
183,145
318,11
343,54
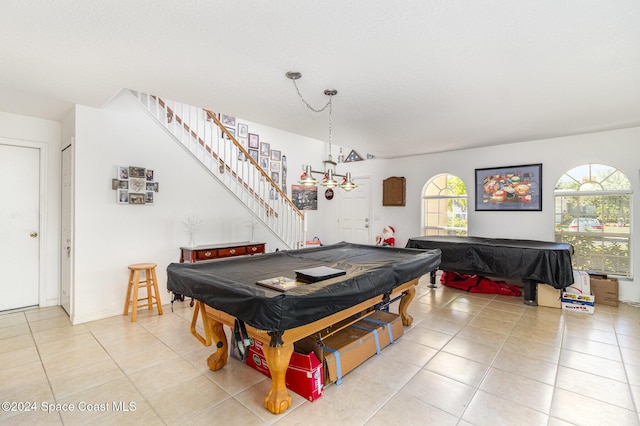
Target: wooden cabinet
x,y
394,191
217,251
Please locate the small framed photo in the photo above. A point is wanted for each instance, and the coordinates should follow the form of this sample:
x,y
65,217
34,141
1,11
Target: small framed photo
x,y
123,172
275,155
123,184
149,197
149,174
275,176
254,141
265,148
275,166
123,196
254,154
241,156
231,131
137,172
150,186
115,184
264,163
243,130
137,198
228,121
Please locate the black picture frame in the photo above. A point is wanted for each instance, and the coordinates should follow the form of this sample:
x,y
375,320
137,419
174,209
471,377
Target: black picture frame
x,y
509,188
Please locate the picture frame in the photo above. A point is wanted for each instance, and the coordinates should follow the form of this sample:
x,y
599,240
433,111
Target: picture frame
x,y
137,172
122,196
265,149
243,143
275,155
304,197
254,141
135,198
149,174
274,166
264,163
509,188
228,121
243,130
123,172
254,154
232,132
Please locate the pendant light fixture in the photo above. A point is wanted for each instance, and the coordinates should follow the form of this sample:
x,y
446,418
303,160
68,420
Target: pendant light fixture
x,y
329,173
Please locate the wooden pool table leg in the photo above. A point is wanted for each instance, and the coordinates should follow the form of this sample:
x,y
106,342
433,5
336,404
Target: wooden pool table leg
x,y
218,359
278,398
407,297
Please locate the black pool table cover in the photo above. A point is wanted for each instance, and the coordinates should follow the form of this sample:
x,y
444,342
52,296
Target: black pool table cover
x,y
229,285
539,261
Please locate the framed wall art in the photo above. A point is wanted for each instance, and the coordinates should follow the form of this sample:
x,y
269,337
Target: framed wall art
x,y
265,148
254,141
135,185
243,130
510,188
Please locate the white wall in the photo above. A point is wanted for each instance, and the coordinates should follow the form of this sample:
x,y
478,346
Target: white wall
x,y
109,236
620,149
47,132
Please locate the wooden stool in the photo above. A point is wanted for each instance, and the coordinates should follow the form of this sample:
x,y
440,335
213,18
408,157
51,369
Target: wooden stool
x,y
150,282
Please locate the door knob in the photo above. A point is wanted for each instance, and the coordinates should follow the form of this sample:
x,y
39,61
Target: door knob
x,y
33,234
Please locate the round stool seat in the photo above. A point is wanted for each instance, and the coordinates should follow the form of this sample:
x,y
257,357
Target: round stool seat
x,y
149,283
140,266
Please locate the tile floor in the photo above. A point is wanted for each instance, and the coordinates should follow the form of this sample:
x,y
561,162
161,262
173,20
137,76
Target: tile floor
x,y
466,360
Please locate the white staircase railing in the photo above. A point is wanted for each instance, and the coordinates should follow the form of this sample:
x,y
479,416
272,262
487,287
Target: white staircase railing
x,y
216,148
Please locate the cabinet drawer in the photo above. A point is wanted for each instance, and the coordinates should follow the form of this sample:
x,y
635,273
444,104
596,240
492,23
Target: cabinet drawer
x,y
233,251
206,254
255,249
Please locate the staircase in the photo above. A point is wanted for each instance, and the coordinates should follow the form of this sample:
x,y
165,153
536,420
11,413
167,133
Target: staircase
x,y
210,143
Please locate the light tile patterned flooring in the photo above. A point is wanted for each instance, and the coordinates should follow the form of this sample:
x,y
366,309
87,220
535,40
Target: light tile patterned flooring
x,y
467,360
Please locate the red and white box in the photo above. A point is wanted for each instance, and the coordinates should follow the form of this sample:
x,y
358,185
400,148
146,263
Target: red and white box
x,y
304,374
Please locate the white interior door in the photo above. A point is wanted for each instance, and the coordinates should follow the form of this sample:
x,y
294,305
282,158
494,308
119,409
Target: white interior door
x,y
65,240
355,208
19,226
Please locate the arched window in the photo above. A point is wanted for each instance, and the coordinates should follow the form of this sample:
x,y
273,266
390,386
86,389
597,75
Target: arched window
x,y
593,212
444,206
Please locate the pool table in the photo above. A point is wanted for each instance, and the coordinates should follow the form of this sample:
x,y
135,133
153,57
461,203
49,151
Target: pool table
x,y
227,292
531,261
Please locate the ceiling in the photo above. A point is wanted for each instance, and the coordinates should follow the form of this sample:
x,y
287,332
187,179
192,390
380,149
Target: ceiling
x,y
413,76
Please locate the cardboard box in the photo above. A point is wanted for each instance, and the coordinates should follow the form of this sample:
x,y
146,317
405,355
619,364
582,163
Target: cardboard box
x,y
605,290
304,374
345,350
578,302
347,346
549,296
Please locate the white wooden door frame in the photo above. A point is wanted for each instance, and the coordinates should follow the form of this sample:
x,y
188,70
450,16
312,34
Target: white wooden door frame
x,y
66,262
43,150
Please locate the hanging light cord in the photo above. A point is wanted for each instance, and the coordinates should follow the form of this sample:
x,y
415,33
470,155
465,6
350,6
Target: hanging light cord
x,y
329,105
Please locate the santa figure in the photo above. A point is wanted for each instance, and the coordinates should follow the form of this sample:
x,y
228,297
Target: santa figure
x,y
386,239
